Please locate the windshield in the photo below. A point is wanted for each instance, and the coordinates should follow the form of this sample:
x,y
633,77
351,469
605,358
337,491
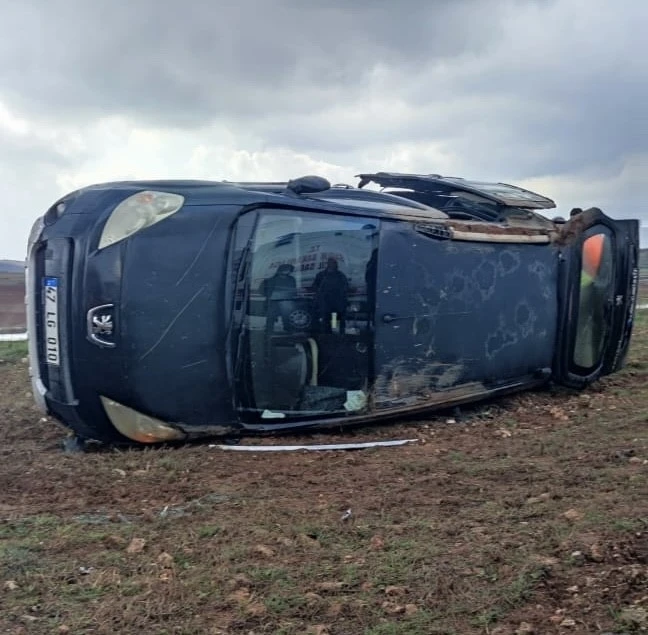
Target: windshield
x,y
402,206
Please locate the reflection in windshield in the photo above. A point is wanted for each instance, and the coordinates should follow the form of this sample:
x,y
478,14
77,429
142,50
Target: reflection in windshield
x,y
309,314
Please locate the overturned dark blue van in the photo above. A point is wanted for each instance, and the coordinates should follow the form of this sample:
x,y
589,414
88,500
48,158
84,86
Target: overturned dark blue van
x,y
171,310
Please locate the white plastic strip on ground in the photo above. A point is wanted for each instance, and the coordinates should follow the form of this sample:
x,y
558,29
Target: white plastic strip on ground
x,y
13,337
332,446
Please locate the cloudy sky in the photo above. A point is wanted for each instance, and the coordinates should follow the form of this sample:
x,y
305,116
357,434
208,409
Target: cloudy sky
x,y
551,94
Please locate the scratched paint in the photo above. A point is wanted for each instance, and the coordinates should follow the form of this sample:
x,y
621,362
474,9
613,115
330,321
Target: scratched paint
x,y
545,280
508,261
397,380
175,313
485,312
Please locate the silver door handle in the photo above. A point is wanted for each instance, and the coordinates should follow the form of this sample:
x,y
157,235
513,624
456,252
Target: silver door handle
x,y
387,318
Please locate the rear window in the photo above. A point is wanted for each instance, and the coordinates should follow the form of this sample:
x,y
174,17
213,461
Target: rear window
x,y
404,207
595,290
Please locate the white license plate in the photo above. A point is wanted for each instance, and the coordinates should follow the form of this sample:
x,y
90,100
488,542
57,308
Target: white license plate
x,y
52,352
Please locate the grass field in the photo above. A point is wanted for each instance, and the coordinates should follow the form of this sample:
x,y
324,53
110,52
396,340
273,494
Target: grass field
x,y
526,515
12,352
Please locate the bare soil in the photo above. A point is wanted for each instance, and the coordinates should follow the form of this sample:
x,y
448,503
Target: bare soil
x,y
12,303
528,514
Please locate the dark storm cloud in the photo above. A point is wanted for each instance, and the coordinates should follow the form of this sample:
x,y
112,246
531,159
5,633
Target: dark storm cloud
x,y
29,152
564,88
527,87
184,63
502,89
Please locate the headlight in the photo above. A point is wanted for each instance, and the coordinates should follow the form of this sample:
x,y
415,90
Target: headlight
x,y
138,212
137,426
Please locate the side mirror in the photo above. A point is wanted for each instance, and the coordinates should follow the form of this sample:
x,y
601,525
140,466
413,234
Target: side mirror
x,y
308,185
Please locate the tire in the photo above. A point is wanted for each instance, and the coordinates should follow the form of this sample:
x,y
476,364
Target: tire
x,y
299,319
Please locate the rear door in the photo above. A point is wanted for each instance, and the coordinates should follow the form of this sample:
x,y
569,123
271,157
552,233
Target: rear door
x,y
454,315
598,291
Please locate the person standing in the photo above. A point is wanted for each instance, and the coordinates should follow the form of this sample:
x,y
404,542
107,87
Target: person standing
x,y
331,289
277,290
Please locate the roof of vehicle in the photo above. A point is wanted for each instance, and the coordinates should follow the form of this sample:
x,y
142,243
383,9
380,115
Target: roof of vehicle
x,y
306,191
349,196
418,198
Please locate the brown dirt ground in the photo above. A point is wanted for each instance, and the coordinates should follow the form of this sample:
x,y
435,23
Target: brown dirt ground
x,y
12,303
529,514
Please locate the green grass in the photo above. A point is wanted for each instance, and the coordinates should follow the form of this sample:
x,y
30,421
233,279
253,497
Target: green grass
x,y
13,351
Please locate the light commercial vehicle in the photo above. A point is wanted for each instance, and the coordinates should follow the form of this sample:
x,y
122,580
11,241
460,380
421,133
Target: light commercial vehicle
x,y
164,311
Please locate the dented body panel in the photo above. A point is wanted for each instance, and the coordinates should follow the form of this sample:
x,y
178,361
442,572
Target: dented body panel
x,y
451,313
218,317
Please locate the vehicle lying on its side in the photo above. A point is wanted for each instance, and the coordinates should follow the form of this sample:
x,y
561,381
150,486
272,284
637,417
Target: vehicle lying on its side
x,y
170,310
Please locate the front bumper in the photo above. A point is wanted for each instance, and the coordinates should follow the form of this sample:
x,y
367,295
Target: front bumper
x,y
48,259
38,387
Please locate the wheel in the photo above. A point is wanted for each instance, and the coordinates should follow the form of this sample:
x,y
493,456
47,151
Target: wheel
x,y
299,319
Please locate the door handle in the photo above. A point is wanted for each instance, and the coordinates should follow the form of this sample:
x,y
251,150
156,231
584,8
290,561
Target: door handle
x,y
387,318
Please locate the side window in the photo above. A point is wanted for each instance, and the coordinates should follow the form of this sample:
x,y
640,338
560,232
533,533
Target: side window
x,y
307,329
595,292
291,249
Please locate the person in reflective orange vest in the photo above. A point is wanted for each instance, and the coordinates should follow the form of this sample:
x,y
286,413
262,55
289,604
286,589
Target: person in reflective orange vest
x,y
590,333
592,255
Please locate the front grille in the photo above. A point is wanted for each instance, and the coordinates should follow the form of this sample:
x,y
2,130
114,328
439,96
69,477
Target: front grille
x,y
54,259
38,304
